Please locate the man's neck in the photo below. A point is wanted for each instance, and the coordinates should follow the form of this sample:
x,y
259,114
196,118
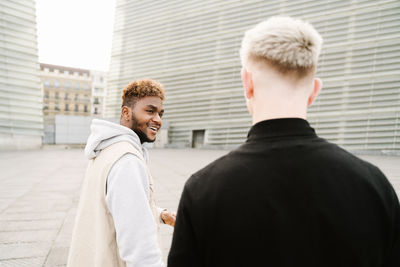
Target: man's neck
x,y
257,117
279,103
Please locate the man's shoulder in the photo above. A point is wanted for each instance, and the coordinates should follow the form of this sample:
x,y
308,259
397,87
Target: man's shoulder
x,y
217,170
334,153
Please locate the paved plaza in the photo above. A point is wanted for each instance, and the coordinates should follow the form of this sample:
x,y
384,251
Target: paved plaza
x,y
40,189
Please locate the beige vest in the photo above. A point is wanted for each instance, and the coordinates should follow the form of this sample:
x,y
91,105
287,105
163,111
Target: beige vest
x,y
94,239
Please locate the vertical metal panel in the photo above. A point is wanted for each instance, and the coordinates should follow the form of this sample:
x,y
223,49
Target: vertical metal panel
x,y
192,48
72,129
20,89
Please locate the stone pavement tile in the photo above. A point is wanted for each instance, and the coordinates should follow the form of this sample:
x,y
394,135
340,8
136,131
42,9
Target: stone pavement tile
x,y
14,226
58,256
28,236
23,262
14,193
38,207
31,216
64,236
24,250
5,203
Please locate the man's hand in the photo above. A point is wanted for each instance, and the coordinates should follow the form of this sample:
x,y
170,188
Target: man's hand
x,y
168,217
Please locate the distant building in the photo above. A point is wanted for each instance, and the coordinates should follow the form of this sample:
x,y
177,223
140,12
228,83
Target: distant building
x,y
99,83
66,91
21,117
71,97
192,47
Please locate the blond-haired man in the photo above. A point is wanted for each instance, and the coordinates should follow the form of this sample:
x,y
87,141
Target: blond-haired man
x,y
286,197
117,220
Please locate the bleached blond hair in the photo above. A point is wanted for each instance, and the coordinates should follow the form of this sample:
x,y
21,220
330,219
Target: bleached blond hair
x,y
285,43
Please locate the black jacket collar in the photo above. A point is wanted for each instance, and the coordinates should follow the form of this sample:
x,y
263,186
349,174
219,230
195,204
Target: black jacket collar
x,y
285,127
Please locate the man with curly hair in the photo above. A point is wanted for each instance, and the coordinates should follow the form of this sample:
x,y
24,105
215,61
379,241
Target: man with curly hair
x,y
117,222
286,197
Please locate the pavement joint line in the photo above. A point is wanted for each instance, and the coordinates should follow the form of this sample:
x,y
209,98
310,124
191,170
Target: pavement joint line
x,y
58,232
24,258
28,220
17,231
30,189
25,242
34,212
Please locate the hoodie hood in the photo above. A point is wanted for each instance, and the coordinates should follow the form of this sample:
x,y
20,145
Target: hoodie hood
x,y
104,133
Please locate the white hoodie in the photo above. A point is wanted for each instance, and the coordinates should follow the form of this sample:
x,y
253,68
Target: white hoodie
x,y
127,196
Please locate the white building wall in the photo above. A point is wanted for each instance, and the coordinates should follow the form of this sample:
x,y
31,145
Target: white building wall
x,y
192,47
99,88
21,116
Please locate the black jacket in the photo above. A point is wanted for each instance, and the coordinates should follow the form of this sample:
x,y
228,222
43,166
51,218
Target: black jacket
x,y
287,198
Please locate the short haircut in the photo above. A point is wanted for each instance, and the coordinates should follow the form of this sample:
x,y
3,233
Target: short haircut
x,y
139,89
285,43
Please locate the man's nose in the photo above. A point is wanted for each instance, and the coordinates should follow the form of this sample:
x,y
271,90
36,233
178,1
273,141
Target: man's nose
x,y
157,118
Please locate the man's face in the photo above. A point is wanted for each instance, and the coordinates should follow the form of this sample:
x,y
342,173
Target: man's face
x,y
146,118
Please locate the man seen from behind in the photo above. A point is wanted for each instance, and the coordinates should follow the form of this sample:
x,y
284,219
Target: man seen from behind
x,y
286,197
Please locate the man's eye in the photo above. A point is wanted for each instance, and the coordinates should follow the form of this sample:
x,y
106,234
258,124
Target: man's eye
x,y
150,111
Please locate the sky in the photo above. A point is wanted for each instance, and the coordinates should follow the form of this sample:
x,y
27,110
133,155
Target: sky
x,y
75,33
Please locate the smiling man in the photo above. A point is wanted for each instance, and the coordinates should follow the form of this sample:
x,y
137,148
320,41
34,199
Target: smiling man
x,y
117,222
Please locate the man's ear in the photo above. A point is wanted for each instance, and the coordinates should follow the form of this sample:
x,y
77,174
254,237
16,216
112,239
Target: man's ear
x,y
247,81
317,85
126,113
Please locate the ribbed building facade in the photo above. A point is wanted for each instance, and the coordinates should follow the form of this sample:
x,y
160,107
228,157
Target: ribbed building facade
x,y
192,47
21,116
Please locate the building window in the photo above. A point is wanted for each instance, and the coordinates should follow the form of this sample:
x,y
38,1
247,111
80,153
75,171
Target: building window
x,y
96,100
45,106
46,70
66,96
86,86
47,83
56,84
101,79
56,71
56,107
86,98
66,72
85,108
66,107
46,94
77,86
67,85
85,74
76,73
76,107
57,95
76,97
95,111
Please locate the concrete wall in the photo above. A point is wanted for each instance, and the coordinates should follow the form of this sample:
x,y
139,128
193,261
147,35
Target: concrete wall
x,y
192,47
21,115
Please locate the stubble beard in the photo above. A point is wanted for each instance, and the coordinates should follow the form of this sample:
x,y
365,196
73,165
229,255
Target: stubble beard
x,y
142,136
